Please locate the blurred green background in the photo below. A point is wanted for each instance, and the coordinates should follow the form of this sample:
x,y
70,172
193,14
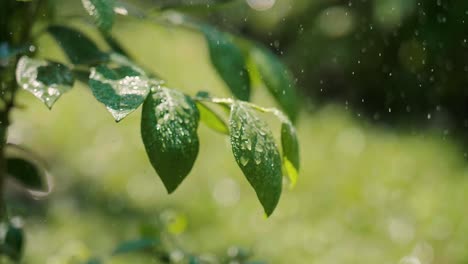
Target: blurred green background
x,y
384,176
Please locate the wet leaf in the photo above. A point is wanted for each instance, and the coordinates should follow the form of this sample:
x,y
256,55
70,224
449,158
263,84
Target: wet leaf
x,y
290,148
13,242
277,79
256,154
102,11
169,125
121,90
212,119
79,48
44,79
26,173
228,61
135,245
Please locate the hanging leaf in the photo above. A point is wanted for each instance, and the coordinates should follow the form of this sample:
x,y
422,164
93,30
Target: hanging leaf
x,y
134,246
290,148
102,11
79,48
114,44
26,173
256,154
169,125
228,61
277,79
121,90
13,242
44,79
212,119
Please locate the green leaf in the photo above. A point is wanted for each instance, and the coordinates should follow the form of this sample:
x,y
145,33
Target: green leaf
x,y
102,11
26,173
44,79
290,148
212,119
169,125
228,61
135,245
93,261
256,154
13,242
277,79
121,90
79,48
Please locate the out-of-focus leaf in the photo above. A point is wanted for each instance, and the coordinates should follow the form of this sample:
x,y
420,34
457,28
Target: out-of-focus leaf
x,y
212,119
102,11
290,148
114,44
228,61
134,246
44,79
79,48
93,261
121,90
256,154
26,173
277,79
169,125
13,242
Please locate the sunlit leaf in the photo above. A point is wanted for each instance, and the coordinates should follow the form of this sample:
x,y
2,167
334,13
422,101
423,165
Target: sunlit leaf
x,y
256,154
79,48
102,11
135,246
277,79
228,61
44,79
212,119
169,125
26,173
121,90
290,148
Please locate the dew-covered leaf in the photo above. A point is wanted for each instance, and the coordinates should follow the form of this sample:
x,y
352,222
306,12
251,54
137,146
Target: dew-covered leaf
x,y
44,79
290,148
13,241
102,11
229,62
134,246
169,125
256,154
121,90
79,48
26,173
212,119
277,79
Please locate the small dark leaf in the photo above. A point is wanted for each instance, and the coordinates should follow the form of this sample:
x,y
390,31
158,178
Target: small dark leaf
x,y
135,245
44,79
102,11
13,242
256,154
212,119
26,173
290,148
79,48
228,61
169,125
277,79
121,90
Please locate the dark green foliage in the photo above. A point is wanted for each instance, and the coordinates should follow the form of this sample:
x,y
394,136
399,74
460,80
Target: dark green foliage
x,y
228,61
256,153
121,90
26,173
169,125
13,242
79,48
102,11
277,79
135,246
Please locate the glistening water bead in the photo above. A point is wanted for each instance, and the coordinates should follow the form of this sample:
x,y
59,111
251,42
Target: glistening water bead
x,y
261,5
